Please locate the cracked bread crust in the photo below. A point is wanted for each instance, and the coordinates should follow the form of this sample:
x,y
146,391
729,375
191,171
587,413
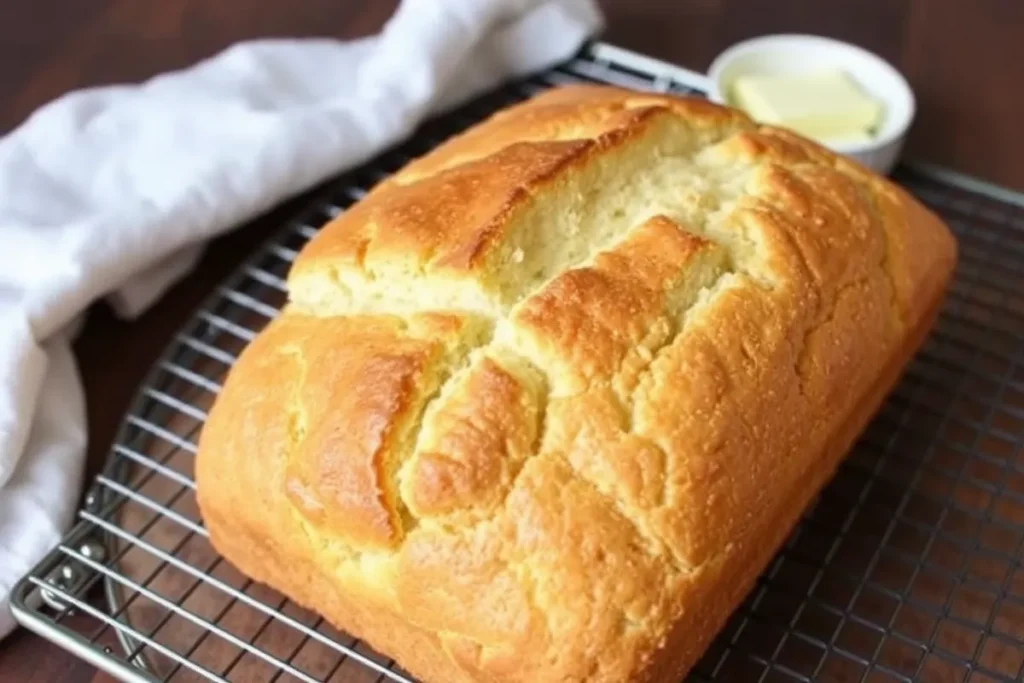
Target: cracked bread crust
x,y
544,403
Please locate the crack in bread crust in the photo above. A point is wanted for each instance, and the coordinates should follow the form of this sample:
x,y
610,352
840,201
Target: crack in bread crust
x,y
535,383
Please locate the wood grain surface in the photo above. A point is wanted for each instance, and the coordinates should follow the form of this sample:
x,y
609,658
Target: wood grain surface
x,y
965,62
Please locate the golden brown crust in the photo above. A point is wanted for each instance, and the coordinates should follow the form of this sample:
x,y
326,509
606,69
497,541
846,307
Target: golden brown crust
x,y
517,420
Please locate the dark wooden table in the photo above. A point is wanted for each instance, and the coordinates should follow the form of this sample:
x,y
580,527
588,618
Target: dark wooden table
x,y
964,60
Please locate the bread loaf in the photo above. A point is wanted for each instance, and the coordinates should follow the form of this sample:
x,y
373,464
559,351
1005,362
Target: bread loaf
x,y
544,403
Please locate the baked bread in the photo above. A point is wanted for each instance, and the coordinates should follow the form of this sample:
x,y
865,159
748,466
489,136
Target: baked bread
x,y
544,403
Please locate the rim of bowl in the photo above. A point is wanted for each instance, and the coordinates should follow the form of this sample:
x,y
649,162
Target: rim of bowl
x,y
751,45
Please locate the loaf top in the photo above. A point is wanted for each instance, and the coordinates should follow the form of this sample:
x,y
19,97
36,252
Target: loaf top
x,y
535,388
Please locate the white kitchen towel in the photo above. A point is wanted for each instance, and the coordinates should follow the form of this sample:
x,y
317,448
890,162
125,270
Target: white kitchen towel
x,y
110,193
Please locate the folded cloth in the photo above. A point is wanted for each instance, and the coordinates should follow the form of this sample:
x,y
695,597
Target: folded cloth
x,y
108,193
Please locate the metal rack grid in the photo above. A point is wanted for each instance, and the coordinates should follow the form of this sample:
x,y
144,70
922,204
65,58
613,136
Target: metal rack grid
x,y
908,567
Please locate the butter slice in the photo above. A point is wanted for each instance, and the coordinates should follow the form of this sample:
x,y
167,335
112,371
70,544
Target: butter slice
x,y
849,138
823,105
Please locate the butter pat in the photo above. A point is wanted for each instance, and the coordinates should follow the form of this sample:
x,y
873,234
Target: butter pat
x,y
848,138
824,105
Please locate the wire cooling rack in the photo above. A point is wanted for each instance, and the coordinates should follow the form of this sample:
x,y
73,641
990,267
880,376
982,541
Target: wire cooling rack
x,y
908,567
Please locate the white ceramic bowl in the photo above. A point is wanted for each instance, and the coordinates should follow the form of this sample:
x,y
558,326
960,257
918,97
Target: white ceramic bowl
x,y
796,53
